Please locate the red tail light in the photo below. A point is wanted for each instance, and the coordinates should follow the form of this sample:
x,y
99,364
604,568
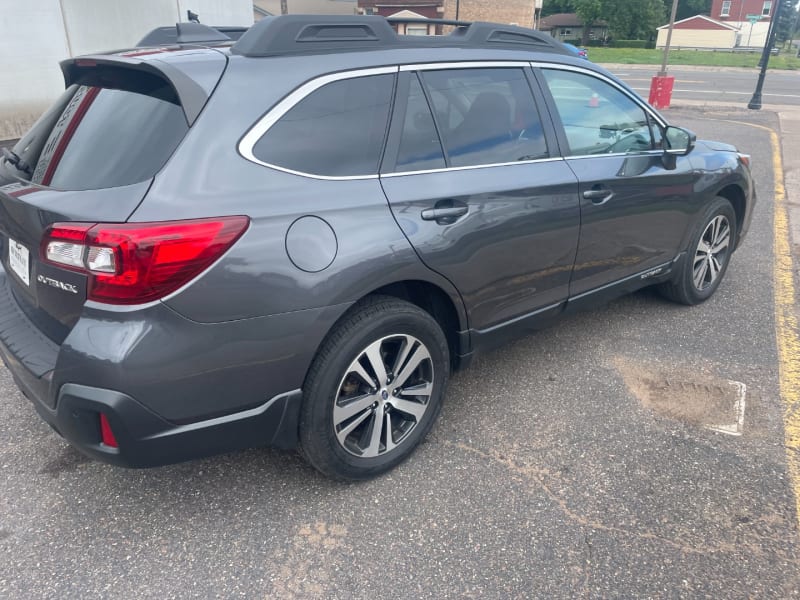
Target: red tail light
x,y
131,263
106,435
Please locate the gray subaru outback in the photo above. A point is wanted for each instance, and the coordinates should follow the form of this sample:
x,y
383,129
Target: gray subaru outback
x,y
292,240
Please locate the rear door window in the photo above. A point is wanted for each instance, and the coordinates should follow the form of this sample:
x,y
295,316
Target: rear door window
x,y
486,116
106,138
420,148
336,131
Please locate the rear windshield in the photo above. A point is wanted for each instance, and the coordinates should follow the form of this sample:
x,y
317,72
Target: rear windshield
x,y
97,137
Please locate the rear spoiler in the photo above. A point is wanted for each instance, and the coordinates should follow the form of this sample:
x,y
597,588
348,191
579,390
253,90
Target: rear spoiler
x,y
105,70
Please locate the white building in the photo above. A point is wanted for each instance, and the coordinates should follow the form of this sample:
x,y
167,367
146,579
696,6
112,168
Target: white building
x,y
704,32
36,34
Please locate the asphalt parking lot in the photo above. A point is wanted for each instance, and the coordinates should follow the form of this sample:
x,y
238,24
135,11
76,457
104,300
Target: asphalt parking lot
x,y
585,460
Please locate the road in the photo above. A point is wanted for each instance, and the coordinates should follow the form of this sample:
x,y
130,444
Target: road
x,y
725,84
579,461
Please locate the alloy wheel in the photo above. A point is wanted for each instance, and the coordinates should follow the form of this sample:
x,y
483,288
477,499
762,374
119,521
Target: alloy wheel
x,y
383,396
712,252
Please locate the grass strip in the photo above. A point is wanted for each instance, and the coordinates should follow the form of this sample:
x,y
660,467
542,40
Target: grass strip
x,y
635,56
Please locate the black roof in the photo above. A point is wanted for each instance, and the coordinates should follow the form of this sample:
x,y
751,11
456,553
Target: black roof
x,y
191,33
315,34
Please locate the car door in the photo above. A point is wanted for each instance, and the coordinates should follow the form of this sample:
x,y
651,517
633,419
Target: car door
x,y
476,188
634,209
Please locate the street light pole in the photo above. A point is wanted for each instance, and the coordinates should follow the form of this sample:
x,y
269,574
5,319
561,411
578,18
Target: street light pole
x,y
755,101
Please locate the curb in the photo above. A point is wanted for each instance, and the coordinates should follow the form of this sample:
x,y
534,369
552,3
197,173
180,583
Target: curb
x,y
698,68
776,108
790,145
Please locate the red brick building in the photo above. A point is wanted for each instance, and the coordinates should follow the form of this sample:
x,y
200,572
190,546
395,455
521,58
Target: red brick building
x,y
732,24
738,10
518,12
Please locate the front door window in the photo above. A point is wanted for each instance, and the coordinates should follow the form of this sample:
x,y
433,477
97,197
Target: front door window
x,y
598,118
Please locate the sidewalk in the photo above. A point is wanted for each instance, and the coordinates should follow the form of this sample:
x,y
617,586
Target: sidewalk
x,y
790,138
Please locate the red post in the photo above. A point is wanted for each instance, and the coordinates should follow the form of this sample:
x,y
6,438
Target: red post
x,y
661,91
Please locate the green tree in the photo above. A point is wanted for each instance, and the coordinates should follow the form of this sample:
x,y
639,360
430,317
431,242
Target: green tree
x,y
554,7
688,8
787,20
588,12
634,19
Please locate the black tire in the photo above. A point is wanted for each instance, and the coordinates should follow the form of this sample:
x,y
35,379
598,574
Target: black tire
x,y
683,287
394,327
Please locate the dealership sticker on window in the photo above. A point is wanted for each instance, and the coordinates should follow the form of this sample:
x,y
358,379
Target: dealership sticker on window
x,y
19,260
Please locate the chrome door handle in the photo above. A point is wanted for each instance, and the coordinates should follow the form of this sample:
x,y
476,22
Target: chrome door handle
x,y
598,196
451,212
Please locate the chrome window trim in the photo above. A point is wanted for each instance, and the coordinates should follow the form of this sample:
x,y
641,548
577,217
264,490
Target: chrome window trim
x,y
472,64
312,175
627,154
636,99
248,142
472,167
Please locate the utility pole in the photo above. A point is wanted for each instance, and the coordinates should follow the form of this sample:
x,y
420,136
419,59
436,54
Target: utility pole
x,y
284,7
755,101
661,84
663,72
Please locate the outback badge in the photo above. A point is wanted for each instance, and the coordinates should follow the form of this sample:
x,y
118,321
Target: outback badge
x,y
67,287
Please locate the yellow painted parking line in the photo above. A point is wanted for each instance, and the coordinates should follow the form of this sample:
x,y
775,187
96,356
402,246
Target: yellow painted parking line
x,y
787,332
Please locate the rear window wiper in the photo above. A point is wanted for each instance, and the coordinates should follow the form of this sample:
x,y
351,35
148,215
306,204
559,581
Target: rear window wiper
x,y
15,161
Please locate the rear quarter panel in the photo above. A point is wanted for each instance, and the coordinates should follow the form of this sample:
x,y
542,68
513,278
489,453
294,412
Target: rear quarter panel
x,y
208,177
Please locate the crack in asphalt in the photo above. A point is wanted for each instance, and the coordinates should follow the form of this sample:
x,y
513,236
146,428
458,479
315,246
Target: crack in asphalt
x,y
589,563
537,474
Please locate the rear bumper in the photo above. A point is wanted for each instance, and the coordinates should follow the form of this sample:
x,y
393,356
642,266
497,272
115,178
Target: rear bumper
x,y
147,440
168,398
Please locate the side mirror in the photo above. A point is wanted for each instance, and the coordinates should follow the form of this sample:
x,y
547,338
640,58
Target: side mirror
x,y
678,141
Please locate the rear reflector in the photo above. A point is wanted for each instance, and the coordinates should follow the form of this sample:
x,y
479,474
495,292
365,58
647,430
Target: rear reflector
x,y
132,263
106,435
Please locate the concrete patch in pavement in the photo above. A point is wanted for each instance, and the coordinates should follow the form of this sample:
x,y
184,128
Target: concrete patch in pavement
x,y
686,395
